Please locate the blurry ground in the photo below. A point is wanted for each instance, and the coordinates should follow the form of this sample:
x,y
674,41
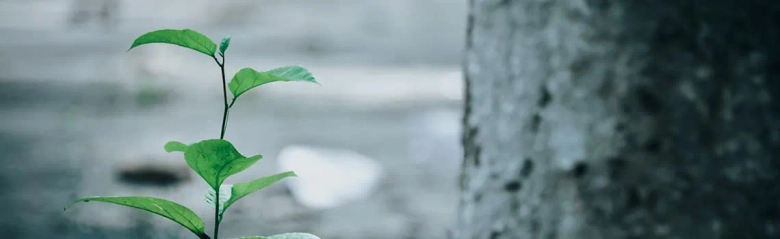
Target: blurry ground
x,y
75,108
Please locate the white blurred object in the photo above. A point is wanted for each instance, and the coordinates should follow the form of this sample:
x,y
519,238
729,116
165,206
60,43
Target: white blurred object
x,y
329,178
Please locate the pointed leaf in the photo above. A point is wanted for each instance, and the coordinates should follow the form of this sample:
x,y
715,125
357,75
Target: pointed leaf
x,y
171,210
240,190
216,159
248,78
223,46
293,73
175,146
185,38
293,235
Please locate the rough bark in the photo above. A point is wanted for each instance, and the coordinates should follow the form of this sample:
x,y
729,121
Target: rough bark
x,y
621,119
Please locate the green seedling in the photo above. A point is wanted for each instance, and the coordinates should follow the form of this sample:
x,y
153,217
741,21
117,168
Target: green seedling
x,y
213,159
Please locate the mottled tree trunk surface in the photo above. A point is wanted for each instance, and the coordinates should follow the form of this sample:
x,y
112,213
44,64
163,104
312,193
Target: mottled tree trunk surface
x,y
621,119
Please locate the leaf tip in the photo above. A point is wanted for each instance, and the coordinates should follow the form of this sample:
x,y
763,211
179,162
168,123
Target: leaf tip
x,y
74,202
175,146
131,47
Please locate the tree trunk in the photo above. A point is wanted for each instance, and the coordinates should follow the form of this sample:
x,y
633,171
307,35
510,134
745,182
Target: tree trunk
x,y
621,119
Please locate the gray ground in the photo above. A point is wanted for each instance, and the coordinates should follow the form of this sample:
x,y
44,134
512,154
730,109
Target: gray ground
x,y
76,109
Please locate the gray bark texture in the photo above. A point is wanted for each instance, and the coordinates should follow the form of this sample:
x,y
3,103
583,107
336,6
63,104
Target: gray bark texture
x,y
621,119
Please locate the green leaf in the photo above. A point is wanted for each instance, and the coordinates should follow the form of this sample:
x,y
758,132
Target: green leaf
x,y
175,146
240,190
293,235
216,159
171,210
248,78
223,46
293,73
184,38
229,194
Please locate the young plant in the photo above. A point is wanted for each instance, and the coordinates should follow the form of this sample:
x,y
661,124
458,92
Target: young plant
x,y
213,159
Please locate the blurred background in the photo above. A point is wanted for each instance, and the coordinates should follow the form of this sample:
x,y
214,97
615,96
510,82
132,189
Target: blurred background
x,y
83,117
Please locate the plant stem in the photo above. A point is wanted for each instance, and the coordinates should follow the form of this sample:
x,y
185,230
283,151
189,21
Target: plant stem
x,y
224,95
217,218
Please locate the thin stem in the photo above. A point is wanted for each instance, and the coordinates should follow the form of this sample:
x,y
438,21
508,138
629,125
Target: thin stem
x,y
217,218
224,95
231,103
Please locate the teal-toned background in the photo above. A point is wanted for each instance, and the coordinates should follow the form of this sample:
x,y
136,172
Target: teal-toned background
x,y
75,108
